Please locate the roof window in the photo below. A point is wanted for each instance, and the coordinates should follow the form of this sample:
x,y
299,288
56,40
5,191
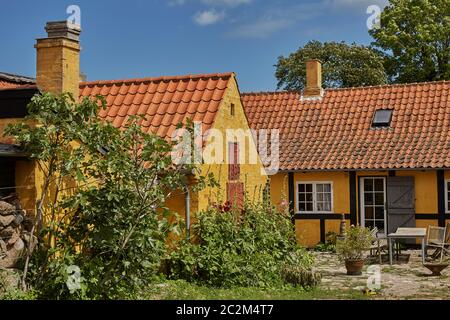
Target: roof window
x,y
382,118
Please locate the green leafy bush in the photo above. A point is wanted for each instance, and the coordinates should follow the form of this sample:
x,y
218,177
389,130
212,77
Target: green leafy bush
x,y
357,241
241,248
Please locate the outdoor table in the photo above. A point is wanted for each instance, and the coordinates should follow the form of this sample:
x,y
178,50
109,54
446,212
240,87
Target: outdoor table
x,y
407,233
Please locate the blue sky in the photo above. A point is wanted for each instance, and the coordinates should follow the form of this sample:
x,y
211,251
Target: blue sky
x,y
147,38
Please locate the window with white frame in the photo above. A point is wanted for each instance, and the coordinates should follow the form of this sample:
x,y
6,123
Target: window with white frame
x,y
314,197
447,196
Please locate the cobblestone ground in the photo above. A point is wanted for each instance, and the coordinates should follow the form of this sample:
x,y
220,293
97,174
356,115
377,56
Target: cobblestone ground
x,y
406,279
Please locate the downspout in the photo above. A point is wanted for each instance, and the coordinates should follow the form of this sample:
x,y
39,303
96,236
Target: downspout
x,y
187,200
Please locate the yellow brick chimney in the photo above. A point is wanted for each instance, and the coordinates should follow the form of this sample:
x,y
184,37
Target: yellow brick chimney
x,y
313,87
58,59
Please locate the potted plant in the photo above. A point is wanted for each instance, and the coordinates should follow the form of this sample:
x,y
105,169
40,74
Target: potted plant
x,y
353,247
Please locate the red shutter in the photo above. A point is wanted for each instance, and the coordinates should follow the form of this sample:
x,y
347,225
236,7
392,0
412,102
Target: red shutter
x,y
234,169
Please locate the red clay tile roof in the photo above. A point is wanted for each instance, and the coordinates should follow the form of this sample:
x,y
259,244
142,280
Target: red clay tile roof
x,y
165,101
336,133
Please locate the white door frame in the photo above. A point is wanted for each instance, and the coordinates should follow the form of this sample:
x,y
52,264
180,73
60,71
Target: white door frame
x,y
361,200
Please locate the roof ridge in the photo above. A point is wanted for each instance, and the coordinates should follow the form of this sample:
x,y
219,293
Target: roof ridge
x,y
162,78
350,88
16,78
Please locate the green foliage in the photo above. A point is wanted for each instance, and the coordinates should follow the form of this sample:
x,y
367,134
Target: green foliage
x,y
17,294
343,65
416,35
109,219
355,244
234,248
330,243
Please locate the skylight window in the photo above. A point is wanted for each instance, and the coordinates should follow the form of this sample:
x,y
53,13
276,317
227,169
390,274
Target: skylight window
x,y
382,118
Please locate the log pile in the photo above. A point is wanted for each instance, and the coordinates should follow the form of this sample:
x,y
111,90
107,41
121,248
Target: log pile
x,y
15,229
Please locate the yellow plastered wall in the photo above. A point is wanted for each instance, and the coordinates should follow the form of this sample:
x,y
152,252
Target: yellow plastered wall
x,y
307,232
252,175
24,171
26,184
279,190
335,225
426,190
340,203
425,194
341,191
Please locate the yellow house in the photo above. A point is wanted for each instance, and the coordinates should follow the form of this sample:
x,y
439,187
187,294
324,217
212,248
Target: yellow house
x,y
379,155
211,101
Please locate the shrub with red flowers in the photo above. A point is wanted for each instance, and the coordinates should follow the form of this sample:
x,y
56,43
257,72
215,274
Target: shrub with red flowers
x,y
249,247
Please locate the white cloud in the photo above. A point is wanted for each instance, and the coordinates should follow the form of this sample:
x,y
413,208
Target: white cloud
x,y
276,19
208,17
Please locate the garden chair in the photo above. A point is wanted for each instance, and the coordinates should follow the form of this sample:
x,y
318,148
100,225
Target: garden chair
x,y
447,239
378,244
436,239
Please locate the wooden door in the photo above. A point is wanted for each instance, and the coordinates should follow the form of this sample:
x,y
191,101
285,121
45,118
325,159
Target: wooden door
x,y
400,203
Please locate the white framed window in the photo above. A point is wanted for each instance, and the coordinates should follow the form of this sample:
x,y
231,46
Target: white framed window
x,y
314,197
447,196
373,203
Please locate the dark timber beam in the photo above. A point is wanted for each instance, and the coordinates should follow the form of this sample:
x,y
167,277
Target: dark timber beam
x,y
353,195
291,190
441,197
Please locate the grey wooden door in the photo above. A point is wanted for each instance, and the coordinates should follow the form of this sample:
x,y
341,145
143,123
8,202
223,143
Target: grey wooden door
x,y
400,203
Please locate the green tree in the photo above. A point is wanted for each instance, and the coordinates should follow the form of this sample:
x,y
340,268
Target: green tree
x,y
113,224
416,36
54,122
344,65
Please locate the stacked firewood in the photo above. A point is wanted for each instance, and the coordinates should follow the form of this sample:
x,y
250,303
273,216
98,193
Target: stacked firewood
x,y
15,229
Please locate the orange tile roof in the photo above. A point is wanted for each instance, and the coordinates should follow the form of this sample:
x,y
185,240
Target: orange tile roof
x,y
335,133
165,101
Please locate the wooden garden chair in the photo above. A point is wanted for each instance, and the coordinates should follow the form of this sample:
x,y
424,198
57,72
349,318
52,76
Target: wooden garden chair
x,y
447,239
378,244
436,239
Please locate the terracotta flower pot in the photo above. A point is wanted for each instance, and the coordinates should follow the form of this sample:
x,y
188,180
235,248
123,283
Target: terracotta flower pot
x,y
354,267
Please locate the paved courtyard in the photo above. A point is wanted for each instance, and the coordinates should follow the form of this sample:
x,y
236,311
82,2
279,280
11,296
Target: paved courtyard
x,y
406,279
